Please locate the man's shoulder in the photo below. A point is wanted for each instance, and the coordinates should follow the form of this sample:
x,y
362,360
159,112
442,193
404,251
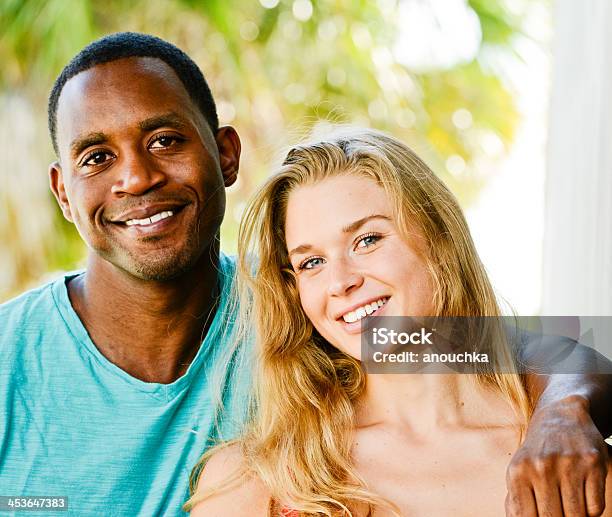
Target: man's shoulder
x,y
227,281
26,301
30,310
227,265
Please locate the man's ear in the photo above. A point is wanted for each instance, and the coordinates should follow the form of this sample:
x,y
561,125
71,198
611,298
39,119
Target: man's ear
x,y
56,182
228,143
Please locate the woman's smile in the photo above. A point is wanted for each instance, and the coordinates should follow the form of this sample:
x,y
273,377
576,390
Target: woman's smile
x,y
353,321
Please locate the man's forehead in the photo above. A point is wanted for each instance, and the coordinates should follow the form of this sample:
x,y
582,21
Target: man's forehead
x,y
127,90
123,73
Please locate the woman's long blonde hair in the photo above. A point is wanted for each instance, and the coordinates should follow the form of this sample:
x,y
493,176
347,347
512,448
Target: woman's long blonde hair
x,y
298,441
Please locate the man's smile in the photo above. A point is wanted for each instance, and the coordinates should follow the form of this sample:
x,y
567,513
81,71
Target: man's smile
x,y
151,219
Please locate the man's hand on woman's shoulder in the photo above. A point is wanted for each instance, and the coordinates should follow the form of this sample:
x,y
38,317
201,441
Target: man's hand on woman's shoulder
x,y
560,469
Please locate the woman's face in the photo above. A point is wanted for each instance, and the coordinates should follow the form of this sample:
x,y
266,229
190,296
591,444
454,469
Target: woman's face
x,y
350,260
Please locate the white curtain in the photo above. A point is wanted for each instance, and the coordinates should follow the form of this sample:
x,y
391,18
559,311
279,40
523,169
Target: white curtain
x,y
577,276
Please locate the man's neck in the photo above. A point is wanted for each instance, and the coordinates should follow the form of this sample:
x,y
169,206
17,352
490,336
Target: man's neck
x,y
151,330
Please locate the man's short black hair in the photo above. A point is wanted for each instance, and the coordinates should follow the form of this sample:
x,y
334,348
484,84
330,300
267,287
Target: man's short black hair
x,y
133,44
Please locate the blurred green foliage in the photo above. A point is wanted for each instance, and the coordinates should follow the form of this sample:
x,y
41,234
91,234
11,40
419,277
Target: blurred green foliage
x,y
276,72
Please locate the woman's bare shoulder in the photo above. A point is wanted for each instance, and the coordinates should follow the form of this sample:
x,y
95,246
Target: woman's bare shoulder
x,y
248,496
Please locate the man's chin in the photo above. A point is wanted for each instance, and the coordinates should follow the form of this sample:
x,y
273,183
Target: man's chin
x,y
160,263
149,274
161,268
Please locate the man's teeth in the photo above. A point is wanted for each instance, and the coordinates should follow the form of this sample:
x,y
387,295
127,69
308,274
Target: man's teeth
x,y
150,220
362,312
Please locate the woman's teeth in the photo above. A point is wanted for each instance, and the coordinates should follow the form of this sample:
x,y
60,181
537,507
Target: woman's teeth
x,y
362,312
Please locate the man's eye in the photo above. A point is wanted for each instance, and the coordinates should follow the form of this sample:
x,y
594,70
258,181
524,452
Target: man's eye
x,y
96,158
311,263
164,141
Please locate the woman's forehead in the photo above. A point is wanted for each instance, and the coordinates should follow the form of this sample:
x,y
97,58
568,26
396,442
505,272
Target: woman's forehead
x,y
333,205
342,190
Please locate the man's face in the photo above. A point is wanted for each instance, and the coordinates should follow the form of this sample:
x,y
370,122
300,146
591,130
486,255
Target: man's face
x,y
141,175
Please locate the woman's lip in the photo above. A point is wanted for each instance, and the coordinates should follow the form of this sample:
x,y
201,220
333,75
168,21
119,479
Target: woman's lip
x,y
355,327
339,316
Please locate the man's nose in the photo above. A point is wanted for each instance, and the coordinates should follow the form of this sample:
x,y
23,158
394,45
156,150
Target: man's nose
x,y
137,174
344,277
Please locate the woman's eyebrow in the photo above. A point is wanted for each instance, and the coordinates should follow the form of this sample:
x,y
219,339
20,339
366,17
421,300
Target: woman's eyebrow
x,y
350,228
302,248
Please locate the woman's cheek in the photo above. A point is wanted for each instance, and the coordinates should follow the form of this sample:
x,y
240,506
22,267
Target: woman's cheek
x,y
313,306
310,308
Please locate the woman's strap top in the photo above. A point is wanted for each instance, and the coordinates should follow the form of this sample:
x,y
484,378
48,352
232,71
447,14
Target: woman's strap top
x,y
277,511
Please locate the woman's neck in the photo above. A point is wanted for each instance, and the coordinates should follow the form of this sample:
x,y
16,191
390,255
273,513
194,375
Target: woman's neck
x,y
426,403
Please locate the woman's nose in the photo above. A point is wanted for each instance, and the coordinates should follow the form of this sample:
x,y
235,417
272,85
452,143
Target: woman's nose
x,y
343,277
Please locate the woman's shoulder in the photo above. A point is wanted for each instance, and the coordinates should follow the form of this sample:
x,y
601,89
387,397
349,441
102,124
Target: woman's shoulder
x,y
230,496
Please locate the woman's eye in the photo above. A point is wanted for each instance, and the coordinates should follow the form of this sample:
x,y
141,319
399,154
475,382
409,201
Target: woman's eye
x,y
367,241
96,158
311,263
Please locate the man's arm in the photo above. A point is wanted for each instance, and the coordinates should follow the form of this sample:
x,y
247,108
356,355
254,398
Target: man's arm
x,y
561,466
592,390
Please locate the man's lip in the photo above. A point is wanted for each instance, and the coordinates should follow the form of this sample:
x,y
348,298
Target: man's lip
x,y
360,304
147,211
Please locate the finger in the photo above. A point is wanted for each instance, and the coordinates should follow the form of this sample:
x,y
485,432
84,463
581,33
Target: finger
x,y
572,497
520,502
595,493
548,500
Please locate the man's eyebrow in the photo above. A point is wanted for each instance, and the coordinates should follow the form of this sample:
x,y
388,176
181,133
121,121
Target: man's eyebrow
x,y
168,119
78,144
350,228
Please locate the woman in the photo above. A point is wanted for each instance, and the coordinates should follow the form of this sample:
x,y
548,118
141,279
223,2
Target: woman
x,y
354,227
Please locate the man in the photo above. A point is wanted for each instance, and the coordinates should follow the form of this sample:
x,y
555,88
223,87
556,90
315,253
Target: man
x,y
106,382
